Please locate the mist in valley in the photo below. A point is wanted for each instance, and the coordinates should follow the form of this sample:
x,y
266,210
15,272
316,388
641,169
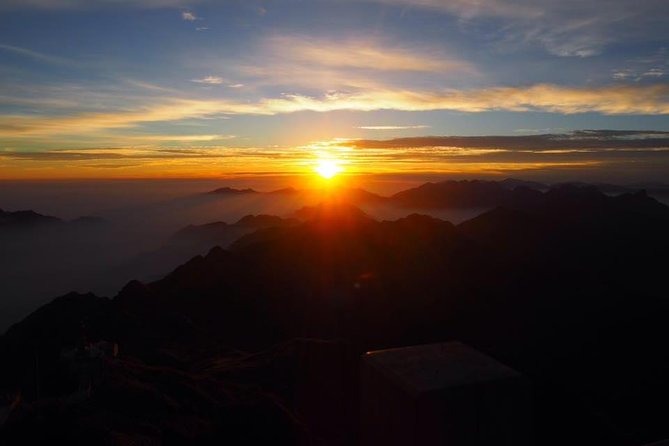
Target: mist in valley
x,y
109,233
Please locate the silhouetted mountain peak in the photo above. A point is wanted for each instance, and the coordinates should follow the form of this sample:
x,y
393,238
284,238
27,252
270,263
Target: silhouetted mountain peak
x,y
576,197
232,191
575,190
201,231
640,202
332,213
262,221
357,195
217,253
419,219
25,219
453,194
133,287
88,220
286,191
512,183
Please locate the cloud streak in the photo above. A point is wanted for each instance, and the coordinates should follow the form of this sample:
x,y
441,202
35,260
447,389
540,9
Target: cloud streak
x,y
93,4
587,150
563,27
577,141
189,16
299,62
611,100
652,99
393,127
363,54
209,80
35,55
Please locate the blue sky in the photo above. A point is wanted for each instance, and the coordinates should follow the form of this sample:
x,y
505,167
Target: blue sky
x,y
138,76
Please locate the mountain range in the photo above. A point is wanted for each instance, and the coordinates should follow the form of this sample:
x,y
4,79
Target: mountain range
x,y
565,285
452,193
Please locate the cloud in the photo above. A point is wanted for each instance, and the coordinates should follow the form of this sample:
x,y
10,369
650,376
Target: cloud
x,y
236,85
478,8
144,162
644,68
573,28
638,152
92,4
623,74
568,28
363,53
35,55
113,153
630,74
210,80
352,63
654,72
127,139
581,140
653,99
393,127
189,16
84,123
39,103
618,99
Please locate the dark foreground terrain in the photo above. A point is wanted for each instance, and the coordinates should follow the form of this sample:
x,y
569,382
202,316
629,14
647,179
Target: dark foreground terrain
x,y
258,344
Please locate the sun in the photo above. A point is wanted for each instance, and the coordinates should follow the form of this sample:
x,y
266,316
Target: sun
x,y
327,168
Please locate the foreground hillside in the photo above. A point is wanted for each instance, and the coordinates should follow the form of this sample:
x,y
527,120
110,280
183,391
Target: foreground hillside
x,y
566,286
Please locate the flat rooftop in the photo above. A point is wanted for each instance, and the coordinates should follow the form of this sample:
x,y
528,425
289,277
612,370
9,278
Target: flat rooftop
x,y
433,367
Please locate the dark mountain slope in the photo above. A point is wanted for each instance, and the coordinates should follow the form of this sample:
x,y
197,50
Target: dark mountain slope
x,y
194,240
466,194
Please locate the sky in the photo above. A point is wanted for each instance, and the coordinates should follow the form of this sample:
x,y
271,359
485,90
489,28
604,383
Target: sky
x,y
193,89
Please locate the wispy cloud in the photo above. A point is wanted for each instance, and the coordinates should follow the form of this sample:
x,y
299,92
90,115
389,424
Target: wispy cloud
x,y
630,74
581,140
393,127
189,16
478,8
562,27
91,4
148,86
654,72
587,149
352,63
128,139
35,55
209,80
653,99
650,67
364,54
623,99
164,162
623,74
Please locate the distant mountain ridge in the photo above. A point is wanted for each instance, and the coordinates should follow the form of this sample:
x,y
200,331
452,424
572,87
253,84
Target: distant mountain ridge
x,y
232,191
28,219
25,219
194,240
453,194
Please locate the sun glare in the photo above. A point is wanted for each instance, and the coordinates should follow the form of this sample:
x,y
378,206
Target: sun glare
x,y
328,168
